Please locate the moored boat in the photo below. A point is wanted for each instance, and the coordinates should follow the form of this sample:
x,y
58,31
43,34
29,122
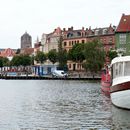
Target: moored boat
x,y
105,81
120,89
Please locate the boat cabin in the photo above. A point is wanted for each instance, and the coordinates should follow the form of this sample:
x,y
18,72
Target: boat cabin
x,y
120,67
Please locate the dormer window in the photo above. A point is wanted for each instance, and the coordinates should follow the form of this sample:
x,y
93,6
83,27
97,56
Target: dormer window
x,y
78,33
104,31
69,35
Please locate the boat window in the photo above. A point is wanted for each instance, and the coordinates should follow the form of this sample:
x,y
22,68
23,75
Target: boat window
x,y
114,71
117,69
127,69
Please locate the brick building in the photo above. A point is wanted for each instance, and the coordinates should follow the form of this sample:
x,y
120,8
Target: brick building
x,y
71,37
123,34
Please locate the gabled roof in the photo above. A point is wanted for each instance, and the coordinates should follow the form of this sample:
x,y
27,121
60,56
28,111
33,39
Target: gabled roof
x,y
7,53
124,24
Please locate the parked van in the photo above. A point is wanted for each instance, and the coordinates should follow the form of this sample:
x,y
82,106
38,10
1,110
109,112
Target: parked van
x,y
59,73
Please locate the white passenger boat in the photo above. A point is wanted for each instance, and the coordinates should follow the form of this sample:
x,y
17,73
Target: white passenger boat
x,y
120,89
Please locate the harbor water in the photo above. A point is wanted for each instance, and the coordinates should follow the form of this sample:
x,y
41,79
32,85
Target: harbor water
x,y
58,105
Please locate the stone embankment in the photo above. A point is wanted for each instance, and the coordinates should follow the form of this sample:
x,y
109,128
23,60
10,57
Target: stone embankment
x,y
71,76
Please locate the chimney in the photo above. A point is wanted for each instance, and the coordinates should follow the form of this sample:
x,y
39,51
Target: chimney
x,y
72,28
64,29
123,14
89,27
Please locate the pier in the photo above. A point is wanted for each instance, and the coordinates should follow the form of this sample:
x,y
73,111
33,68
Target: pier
x,y
46,78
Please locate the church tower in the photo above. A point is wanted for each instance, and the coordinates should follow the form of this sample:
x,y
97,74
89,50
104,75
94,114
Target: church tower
x,y
26,41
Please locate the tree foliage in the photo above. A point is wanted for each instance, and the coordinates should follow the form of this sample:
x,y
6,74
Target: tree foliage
x,y
53,56
23,60
76,53
112,54
26,60
4,61
62,54
40,57
94,56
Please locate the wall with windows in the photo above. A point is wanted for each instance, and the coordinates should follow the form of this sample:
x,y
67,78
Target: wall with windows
x,y
121,69
123,42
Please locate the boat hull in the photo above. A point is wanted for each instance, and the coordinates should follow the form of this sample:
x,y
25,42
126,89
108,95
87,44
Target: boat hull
x,y
120,95
105,86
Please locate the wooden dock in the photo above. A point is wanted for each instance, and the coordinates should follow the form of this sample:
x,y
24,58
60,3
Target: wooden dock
x,y
45,78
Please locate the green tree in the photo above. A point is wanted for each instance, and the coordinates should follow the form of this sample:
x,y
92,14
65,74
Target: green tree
x,y
23,60
16,60
94,56
1,63
40,57
4,61
32,60
26,60
62,54
53,56
76,53
112,54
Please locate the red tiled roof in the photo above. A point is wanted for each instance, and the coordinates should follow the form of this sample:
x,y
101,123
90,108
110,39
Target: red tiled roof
x,y
124,24
7,53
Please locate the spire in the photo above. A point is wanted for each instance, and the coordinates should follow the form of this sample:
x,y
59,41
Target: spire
x,y
37,40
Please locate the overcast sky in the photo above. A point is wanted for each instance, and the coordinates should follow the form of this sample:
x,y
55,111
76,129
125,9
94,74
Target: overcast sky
x,y
43,16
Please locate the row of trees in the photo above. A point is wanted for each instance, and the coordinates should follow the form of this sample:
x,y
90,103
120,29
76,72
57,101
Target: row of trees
x,y
91,55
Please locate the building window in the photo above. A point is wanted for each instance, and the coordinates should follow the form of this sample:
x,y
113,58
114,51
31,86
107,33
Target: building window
x,y
110,40
69,65
78,41
82,41
69,43
65,44
104,31
78,65
122,38
72,43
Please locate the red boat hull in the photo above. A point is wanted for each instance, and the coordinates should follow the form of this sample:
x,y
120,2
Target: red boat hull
x,y
105,82
105,86
120,87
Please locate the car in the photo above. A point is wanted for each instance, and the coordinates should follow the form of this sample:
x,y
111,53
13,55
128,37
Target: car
x,y
59,73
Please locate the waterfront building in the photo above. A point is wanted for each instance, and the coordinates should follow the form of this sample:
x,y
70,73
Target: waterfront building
x,y
123,35
71,37
26,41
50,41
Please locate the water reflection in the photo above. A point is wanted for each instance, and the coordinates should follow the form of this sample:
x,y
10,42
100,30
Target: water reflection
x,y
55,105
120,118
